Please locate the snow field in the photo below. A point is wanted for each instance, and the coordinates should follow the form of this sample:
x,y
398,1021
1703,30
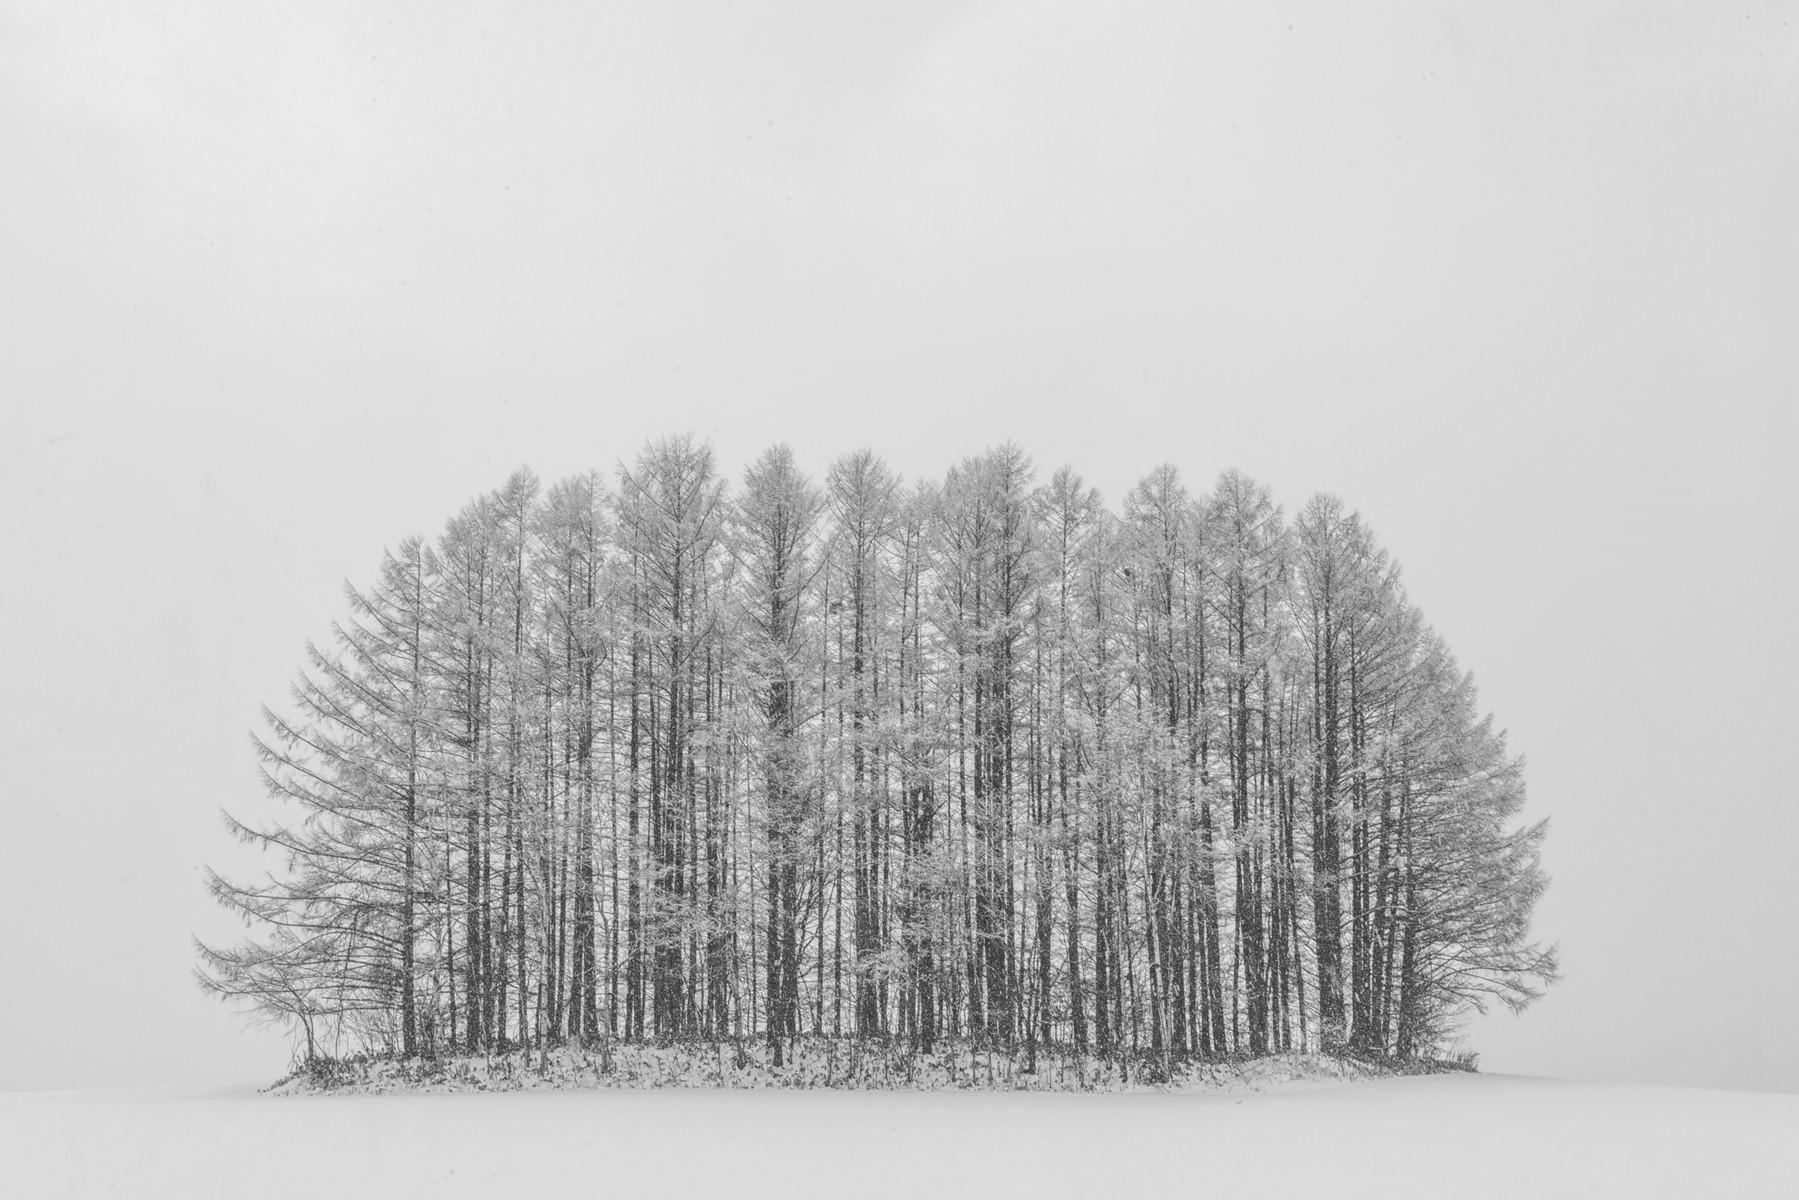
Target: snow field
x,y
1443,1135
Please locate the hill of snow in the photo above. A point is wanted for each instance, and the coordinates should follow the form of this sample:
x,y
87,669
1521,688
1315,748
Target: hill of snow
x,y
1442,1135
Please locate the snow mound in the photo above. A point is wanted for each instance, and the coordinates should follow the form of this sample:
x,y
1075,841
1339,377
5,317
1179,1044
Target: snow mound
x,y
820,1063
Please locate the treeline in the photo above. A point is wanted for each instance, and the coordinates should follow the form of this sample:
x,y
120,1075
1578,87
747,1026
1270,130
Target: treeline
x,y
648,757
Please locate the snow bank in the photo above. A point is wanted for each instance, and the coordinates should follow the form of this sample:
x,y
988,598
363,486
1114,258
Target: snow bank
x,y
1446,1135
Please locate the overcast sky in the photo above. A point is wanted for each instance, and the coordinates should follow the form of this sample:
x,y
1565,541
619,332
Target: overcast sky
x,y
283,283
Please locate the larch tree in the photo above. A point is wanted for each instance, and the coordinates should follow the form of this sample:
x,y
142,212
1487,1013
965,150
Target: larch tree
x,y
1246,539
861,504
672,504
775,536
354,767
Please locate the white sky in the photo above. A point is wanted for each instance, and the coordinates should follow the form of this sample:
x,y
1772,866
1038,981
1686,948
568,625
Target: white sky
x,y
281,284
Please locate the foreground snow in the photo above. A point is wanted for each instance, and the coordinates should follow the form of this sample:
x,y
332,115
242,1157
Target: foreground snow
x,y
1443,1135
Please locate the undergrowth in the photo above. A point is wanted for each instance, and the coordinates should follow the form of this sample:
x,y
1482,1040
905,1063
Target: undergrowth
x,y
822,1062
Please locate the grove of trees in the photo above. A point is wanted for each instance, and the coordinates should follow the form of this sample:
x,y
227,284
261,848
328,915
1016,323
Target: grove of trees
x,y
654,756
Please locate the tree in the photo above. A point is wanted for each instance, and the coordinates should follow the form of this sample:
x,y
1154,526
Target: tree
x,y
570,572
862,495
672,505
1247,543
1467,879
986,541
344,923
776,525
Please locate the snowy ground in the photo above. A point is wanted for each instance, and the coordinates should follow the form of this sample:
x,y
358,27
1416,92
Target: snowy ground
x,y
1443,1135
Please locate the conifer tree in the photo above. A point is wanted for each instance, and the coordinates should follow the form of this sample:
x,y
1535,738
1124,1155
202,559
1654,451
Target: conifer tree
x,y
776,522
354,770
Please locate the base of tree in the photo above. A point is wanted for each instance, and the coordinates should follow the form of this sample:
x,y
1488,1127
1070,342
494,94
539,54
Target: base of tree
x,y
831,1063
